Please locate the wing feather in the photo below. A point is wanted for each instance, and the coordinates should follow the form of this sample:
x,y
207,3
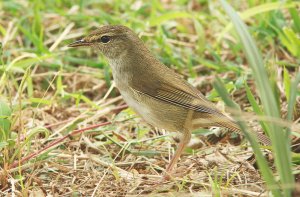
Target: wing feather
x,y
178,92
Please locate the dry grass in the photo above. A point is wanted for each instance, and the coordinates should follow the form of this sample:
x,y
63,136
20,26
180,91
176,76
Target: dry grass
x,y
57,94
113,161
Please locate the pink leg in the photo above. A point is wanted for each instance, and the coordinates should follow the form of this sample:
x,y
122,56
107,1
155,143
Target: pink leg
x,y
183,142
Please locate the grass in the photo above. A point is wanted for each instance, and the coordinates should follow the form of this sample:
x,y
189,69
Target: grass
x,y
49,94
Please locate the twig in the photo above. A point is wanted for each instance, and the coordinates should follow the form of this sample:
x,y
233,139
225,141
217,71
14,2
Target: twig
x,y
56,142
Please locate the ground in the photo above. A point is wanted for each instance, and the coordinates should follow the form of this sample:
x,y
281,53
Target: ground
x,y
66,131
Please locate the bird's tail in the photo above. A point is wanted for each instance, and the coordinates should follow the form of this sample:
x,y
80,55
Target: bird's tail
x,y
233,126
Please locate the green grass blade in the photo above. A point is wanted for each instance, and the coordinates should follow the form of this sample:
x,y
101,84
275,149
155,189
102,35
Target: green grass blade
x,y
169,16
280,143
255,107
262,163
292,97
267,7
296,18
287,83
5,113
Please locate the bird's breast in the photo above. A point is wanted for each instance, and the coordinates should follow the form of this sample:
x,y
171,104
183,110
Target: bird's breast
x,y
157,113
137,103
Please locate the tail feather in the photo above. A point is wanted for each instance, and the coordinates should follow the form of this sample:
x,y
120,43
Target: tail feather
x,y
221,120
232,126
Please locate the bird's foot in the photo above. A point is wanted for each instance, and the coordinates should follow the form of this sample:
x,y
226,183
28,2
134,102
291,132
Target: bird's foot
x,y
176,173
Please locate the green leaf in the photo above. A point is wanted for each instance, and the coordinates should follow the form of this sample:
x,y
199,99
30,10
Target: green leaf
x,y
267,7
290,40
292,97
262,163
255,107
5,113
155,21
296,19
3,144
30,134
287,83
279,138
40,101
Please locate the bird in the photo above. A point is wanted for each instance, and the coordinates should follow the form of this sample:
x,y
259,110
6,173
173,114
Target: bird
x,y
163,98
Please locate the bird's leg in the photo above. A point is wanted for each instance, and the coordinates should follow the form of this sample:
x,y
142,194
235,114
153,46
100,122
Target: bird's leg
x,y
183,142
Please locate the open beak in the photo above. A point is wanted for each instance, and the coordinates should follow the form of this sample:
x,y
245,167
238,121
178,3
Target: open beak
x,y
79,43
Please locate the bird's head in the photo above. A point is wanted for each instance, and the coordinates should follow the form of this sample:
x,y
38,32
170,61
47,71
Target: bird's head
x,y
111,40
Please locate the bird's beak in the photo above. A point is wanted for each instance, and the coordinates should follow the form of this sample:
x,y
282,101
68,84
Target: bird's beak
x,y
79,43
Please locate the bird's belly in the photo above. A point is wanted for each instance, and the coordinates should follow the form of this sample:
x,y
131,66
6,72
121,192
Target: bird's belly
x,y
139,107
157,113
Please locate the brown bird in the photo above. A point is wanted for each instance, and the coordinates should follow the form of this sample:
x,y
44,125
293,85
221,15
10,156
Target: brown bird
x,y
155,92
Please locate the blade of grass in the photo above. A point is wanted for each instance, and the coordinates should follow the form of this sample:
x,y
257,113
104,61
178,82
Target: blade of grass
x,y
292,97
286,83
5,113
267,7
255,107
280,142
169,16
261,161
296,18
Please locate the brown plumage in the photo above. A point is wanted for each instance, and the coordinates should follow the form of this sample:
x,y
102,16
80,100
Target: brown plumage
x,y
159,95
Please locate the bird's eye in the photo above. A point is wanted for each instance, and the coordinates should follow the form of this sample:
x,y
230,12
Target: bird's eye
x,y
105,39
